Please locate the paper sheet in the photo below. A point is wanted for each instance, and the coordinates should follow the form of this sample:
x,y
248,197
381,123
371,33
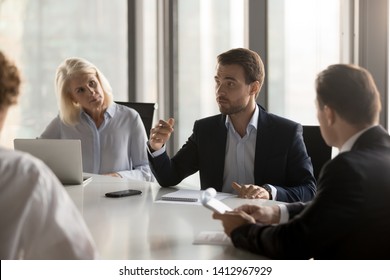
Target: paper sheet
x,y
189,194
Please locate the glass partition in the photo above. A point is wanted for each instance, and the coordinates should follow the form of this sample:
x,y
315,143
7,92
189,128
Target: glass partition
x,y
303,39
205,29
39,35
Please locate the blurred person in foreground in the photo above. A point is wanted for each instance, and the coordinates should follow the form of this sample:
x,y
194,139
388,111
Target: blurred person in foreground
x,y
349,217
113,137
243,150
38,220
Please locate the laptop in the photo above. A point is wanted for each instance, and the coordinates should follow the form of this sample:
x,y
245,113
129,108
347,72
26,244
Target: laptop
x,y
62,156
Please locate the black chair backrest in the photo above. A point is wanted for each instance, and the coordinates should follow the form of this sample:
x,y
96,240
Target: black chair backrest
x,y
145,110
316,147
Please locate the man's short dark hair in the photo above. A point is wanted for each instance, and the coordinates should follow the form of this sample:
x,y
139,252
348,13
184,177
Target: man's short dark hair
x,y
350,90
249,60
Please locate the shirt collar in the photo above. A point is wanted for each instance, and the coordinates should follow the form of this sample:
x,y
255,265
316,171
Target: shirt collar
x,y
253,121
347,146
110,111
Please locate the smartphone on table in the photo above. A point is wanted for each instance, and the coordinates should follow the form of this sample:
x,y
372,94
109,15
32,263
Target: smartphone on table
x,y
123,193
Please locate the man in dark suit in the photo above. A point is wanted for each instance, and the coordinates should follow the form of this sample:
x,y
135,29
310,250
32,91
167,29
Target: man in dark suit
x,y
243,149
349,217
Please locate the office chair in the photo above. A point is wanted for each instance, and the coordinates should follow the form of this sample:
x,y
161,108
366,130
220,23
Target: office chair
x,y
316,147
145,110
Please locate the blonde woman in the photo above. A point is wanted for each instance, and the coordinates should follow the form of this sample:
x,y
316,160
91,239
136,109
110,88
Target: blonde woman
x,y
113,137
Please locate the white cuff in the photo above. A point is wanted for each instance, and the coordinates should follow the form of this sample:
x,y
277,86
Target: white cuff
x,y
156,153
284,215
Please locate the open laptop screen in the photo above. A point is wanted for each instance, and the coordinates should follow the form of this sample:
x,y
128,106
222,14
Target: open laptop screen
x,y
62,156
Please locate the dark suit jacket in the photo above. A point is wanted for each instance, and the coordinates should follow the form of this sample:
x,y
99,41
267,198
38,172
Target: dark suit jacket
x,y
348,219
281,158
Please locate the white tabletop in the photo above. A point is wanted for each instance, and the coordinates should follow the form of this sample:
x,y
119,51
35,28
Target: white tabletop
x,y
138,227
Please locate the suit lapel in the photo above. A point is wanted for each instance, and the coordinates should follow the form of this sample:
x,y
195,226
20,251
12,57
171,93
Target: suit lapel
x,y
262,140
220,150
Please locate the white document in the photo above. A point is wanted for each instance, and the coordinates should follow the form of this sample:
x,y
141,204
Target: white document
x,y
209,200
182,196
193,197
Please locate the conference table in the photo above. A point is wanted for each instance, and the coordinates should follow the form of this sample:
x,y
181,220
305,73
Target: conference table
x,y
142,227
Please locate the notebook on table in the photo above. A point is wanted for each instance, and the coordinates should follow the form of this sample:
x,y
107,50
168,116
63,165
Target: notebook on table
x,y
62,156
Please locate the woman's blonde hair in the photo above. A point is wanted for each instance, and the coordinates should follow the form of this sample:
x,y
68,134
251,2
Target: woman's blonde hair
x,y
71,67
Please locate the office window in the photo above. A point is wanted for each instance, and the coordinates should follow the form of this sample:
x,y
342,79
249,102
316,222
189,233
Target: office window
x,y
205,29
39,35
303,38
146,51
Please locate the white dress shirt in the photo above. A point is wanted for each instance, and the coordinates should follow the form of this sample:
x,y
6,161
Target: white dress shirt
x,y
347,146
240,155
38,220
118,145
